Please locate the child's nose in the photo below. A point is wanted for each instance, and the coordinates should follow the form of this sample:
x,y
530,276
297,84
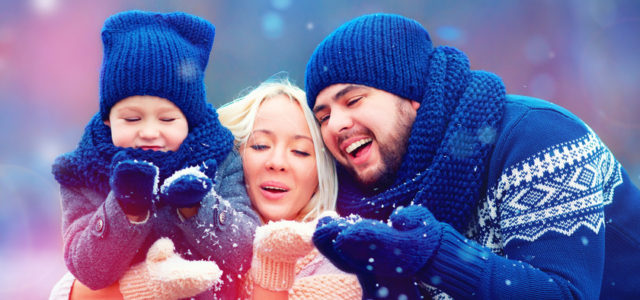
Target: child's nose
x,y
149,132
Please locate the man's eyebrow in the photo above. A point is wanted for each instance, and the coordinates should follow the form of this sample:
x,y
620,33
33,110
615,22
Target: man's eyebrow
x,y
346,90
339,94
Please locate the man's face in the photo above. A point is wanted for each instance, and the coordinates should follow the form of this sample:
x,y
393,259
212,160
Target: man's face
x,y
365,129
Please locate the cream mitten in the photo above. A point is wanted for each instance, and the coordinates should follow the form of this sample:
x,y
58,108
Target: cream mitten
x,y
166,275
276,248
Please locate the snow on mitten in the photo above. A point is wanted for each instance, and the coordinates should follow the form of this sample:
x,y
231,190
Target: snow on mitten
x,y
400,247
276,248
209,168
374,286
185,188
327,230
165,275
133,183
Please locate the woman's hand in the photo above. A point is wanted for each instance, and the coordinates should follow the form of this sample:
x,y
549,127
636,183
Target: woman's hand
x,y
277,246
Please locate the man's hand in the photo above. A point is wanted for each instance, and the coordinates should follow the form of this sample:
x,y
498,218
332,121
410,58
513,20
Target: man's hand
x,y
400,247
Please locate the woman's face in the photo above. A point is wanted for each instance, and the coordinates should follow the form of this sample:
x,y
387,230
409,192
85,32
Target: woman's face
x,y
279,160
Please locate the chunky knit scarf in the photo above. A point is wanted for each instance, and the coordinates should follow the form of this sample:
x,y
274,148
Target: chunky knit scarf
x,y
448,150
90,164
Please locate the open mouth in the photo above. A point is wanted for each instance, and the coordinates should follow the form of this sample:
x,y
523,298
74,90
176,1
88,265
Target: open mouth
x,y
354,149
273,189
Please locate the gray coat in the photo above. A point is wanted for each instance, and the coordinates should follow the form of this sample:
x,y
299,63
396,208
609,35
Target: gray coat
x,y
100,244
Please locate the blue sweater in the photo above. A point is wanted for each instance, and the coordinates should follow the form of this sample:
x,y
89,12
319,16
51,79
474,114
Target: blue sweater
x,y
560,216
100,243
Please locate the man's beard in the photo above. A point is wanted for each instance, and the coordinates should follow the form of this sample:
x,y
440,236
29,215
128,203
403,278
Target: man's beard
x,y
391,152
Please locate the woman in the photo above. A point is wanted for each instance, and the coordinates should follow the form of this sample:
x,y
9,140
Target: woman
x,y
291,181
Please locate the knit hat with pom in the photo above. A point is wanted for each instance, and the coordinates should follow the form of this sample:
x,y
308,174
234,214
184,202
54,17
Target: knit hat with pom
x,y
387,52
157,54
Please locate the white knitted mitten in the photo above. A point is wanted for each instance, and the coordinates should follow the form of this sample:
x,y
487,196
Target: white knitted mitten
x,y
166,275
276,248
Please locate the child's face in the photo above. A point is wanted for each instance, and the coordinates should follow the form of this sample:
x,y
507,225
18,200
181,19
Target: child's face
x,y
148,123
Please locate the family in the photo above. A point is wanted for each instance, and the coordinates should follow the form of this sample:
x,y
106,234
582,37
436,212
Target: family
x,y
397,173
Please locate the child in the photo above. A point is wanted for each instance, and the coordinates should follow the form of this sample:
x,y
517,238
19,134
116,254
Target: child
x,y
118,191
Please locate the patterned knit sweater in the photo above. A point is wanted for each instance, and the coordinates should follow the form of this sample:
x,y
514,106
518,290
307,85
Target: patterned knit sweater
x,y
559,213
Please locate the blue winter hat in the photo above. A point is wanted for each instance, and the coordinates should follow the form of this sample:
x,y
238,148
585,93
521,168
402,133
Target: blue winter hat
x,y
384,51
157,54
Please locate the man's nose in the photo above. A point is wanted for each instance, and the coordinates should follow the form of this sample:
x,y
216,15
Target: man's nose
x,y
339,121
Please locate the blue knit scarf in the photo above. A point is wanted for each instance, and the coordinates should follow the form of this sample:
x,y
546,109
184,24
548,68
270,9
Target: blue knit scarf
x,y
448,149
90,164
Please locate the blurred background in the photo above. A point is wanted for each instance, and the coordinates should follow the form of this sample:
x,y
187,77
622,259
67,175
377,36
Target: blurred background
x,y
581,54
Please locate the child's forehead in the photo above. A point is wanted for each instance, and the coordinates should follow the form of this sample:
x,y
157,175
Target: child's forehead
x,y
145,102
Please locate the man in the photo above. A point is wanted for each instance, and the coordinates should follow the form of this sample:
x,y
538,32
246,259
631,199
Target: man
x,y
485,195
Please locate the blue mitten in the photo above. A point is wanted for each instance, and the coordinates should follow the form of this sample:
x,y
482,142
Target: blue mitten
x,y
388,287
209,168
399,248
185,188
374,286
325,235
133,183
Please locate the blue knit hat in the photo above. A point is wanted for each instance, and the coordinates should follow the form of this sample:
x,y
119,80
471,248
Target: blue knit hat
x,y
163,55
387,52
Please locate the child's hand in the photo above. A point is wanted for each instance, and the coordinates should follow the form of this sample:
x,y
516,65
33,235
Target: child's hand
x,y
185,188
165,275
133,183
209,168
277,246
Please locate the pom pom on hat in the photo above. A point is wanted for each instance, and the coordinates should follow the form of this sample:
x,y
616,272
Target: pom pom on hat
x,y
157,54
384,51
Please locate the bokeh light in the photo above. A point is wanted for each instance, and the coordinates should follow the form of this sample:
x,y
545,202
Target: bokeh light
x,y
579,54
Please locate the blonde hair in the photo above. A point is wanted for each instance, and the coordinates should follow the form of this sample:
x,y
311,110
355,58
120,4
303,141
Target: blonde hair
x,y
240,114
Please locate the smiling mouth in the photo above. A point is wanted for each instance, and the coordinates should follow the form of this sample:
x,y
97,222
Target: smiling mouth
x,y
274,189
354,148
154,148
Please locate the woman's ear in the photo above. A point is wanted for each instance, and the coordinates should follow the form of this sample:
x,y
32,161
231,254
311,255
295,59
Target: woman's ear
x,y
106,122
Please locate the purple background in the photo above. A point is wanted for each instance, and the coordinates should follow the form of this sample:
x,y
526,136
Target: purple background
x,y
579,54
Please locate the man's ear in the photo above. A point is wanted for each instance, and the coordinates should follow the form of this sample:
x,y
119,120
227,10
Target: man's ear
x,y
415,104
106,122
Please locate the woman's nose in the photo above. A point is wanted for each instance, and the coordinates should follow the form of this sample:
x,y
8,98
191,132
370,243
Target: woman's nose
x,y
277,161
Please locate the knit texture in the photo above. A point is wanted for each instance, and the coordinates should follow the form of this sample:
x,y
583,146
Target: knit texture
x,y
449,146
277,247
402,247
385,257
165,275
388,52
90,164
326,286
316,278
163,55
186,187
133,183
